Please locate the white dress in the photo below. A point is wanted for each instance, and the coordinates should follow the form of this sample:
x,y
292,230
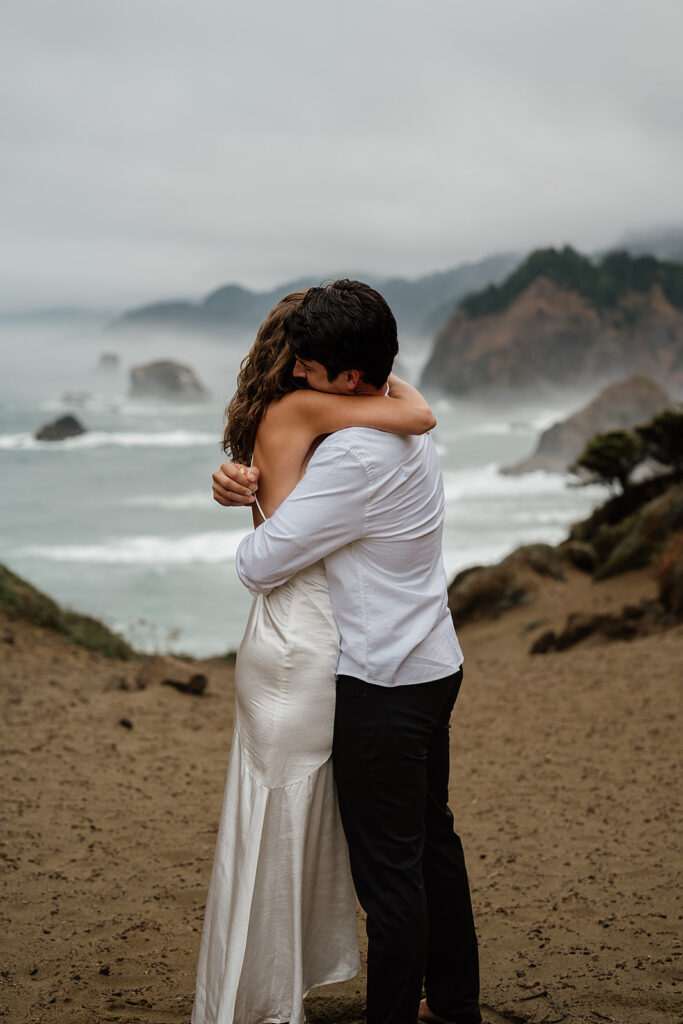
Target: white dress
x,y
281,911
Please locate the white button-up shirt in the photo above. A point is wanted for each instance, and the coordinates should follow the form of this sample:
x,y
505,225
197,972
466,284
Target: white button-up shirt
x,y
371,504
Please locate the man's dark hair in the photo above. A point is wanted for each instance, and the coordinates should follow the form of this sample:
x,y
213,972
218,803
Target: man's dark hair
x,y
346,325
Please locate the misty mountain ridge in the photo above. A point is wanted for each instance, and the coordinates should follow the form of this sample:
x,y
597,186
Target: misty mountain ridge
x,y
413,301
421,305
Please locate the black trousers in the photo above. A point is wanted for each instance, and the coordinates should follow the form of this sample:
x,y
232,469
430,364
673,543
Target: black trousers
x,y
391,762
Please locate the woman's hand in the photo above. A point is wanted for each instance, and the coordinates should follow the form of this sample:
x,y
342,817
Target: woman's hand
x,y
234,485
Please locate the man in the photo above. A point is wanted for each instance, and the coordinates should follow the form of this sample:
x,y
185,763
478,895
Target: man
x,y
372,505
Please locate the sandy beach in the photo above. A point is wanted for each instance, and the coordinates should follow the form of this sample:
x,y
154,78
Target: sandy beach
x,y
564,783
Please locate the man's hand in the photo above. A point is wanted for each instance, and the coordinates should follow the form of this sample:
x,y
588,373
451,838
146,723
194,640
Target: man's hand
x,y
234,485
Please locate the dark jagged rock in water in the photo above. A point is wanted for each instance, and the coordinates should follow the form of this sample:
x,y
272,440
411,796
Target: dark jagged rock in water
x,y
560,321
58,430
618,407
108,361
166,379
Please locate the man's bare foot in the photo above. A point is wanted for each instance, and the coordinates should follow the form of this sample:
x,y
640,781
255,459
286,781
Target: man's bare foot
x,y
426,1015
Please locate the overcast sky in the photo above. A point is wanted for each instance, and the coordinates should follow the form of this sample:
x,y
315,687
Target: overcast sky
x,y
159,148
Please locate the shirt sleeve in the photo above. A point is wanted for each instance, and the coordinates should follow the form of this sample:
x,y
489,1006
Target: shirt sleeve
x,y
325,511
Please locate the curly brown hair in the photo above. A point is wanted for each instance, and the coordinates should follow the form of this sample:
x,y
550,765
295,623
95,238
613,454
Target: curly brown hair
x,y
265,375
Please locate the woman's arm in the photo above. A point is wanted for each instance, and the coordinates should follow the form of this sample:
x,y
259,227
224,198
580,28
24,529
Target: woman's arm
x,y
403,411
291,425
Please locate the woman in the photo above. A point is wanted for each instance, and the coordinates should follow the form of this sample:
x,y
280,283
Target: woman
x,y
280,914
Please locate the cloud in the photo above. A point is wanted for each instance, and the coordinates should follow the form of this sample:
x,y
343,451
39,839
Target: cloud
x,y
156,147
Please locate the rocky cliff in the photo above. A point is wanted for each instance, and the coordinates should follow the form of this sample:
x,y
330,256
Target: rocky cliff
x,y
619,406
559,321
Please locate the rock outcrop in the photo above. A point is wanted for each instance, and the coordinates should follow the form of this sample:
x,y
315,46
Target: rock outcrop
x,y
642,619
168,671
558,322
619,406
629,532
487,591
59,429
166,379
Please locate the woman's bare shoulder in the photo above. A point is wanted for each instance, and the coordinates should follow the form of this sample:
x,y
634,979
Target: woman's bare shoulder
x,y
294,404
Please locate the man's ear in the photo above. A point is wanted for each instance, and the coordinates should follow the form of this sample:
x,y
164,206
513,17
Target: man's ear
x,y
352,379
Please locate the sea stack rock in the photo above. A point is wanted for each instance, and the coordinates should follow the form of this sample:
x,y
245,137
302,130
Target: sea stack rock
x,y
108,361
166,379
618,407
59,429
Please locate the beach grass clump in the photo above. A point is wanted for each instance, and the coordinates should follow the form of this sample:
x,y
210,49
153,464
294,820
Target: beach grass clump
x,y
20,600
487,591
669,575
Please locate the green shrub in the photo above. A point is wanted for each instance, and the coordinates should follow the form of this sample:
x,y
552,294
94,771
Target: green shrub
x,y
662,438
609,458
20,600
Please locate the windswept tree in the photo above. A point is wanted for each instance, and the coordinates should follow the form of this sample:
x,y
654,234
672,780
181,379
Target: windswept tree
x,y
662,438
609,458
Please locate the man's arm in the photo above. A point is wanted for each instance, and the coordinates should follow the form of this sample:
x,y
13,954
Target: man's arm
x,y
325,511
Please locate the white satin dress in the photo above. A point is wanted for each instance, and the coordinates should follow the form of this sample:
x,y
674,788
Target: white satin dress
x,y
281,910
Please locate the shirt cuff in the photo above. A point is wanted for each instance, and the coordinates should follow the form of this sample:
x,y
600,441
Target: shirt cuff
x,y
252,586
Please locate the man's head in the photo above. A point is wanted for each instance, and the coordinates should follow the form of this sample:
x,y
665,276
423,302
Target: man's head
x,y
343,336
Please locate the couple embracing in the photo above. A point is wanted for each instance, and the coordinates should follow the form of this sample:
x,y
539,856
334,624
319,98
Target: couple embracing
x,y
345,682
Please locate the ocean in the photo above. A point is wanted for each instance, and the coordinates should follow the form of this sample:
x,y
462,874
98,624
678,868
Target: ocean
x,y
120,523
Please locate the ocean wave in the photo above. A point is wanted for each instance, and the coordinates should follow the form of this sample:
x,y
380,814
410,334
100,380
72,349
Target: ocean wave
x,y
208,548
481,481
121,406
109,439
487,481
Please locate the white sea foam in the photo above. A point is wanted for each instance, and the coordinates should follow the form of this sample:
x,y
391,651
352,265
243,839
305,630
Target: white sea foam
x,y
534,424
208,548
109,439
481,481
193,499
496,429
